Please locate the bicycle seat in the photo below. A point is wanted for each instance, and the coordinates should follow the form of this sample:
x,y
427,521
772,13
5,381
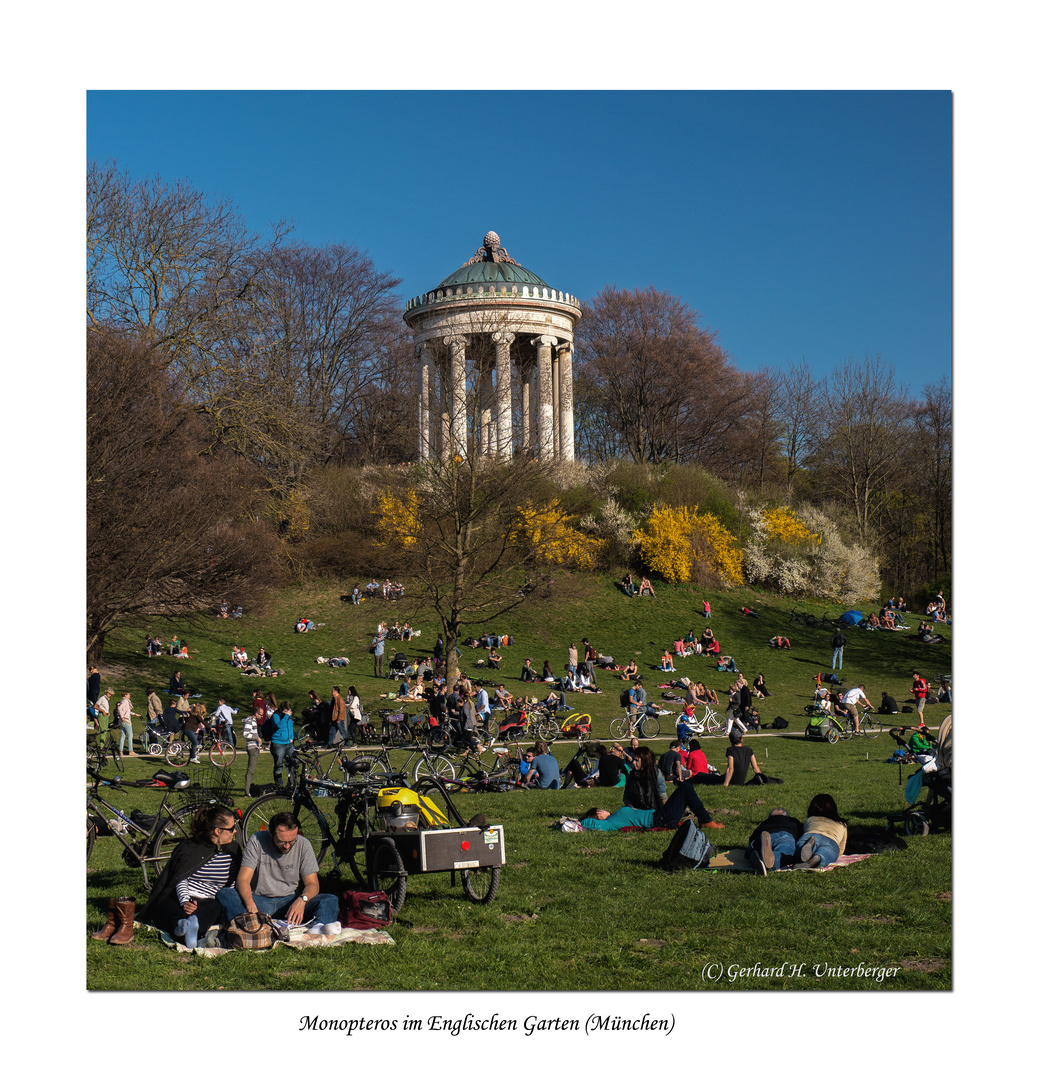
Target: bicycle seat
x,y
358,766
180,785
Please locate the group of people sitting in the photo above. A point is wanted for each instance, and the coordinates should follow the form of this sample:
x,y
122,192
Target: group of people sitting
x,y
261,664
177,648
644,589
211,879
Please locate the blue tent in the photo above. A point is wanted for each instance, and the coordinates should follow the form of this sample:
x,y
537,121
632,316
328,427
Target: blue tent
x,y
852,618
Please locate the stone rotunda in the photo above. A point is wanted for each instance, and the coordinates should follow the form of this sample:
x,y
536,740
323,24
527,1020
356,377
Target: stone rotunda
x,y
479,325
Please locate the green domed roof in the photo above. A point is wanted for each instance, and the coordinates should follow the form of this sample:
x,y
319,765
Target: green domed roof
x,y
491,265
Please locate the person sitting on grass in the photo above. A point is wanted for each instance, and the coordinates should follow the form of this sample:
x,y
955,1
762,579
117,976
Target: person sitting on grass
x,y
494,658
544,769
773,843
740,760
527,673
646,787
183,900
888,705
627,585
629,672
824,838
668,816
779,642
671,764
646,589
760,689
666,661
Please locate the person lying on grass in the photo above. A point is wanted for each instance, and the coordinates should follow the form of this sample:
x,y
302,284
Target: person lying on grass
x,y
668,816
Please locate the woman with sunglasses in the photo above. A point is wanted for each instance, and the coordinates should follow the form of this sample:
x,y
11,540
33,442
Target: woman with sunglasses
x,y
183,901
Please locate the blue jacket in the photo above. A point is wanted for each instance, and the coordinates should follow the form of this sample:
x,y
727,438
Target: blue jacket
x,y
283,731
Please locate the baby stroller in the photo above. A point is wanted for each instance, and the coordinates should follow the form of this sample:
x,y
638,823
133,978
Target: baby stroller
x,y
928,791
400,667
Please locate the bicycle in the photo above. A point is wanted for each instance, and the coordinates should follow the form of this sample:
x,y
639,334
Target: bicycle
x,y
148,840
842,728
100,746
422,760
178,750
711,724
636,723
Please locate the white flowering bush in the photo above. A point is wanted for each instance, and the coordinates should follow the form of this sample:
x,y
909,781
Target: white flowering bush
x,y
826,568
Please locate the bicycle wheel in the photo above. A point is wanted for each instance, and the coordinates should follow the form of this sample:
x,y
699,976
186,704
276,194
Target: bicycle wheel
x,y
713,724
257,819
549,729
916,825
177,753
480,884
438,765
117,756
388,874
154,749
222,754
870,728
174,829
833,735
648,727
357,829
618,727
91,836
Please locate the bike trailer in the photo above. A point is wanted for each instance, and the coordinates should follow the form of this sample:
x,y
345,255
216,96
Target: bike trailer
x,y
424,850
818,727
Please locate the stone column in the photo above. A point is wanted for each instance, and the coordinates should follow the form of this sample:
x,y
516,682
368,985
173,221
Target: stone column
x,y
456,404
425,405
565,401
503,363
545,404
525,372
485,412
556,414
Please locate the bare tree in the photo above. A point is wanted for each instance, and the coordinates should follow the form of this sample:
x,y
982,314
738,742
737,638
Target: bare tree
x,y
458,531
656,380
865,427
169,532
798,416
164,260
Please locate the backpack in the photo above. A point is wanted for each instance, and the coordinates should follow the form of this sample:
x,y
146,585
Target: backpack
x,y
625,699
780,722
365,910
697,852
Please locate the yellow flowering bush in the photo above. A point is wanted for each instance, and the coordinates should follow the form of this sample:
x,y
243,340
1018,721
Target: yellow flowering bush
x,y
782,524
399,519
548,531
682,545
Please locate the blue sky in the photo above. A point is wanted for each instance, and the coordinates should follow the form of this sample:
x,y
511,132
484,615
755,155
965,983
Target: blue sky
x,y
799,224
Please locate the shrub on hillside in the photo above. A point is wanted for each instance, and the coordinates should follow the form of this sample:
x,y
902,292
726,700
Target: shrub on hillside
x,y
804,555
683,545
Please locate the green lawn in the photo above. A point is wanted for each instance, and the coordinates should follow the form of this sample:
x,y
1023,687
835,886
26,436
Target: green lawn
x,y
590,910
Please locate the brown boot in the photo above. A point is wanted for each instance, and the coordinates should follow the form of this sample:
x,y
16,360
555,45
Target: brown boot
x,y
125,908
108,929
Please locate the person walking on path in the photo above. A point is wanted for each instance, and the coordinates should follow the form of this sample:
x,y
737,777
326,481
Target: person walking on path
x,y
837,642
378,651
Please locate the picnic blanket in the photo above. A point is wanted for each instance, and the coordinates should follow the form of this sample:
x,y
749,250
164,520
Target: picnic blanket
x,y
736,860
215,941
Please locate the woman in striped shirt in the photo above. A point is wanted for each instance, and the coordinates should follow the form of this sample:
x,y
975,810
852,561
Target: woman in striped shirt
x,y
183,901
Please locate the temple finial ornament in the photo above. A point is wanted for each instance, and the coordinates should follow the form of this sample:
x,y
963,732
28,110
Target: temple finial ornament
x,y
492,251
